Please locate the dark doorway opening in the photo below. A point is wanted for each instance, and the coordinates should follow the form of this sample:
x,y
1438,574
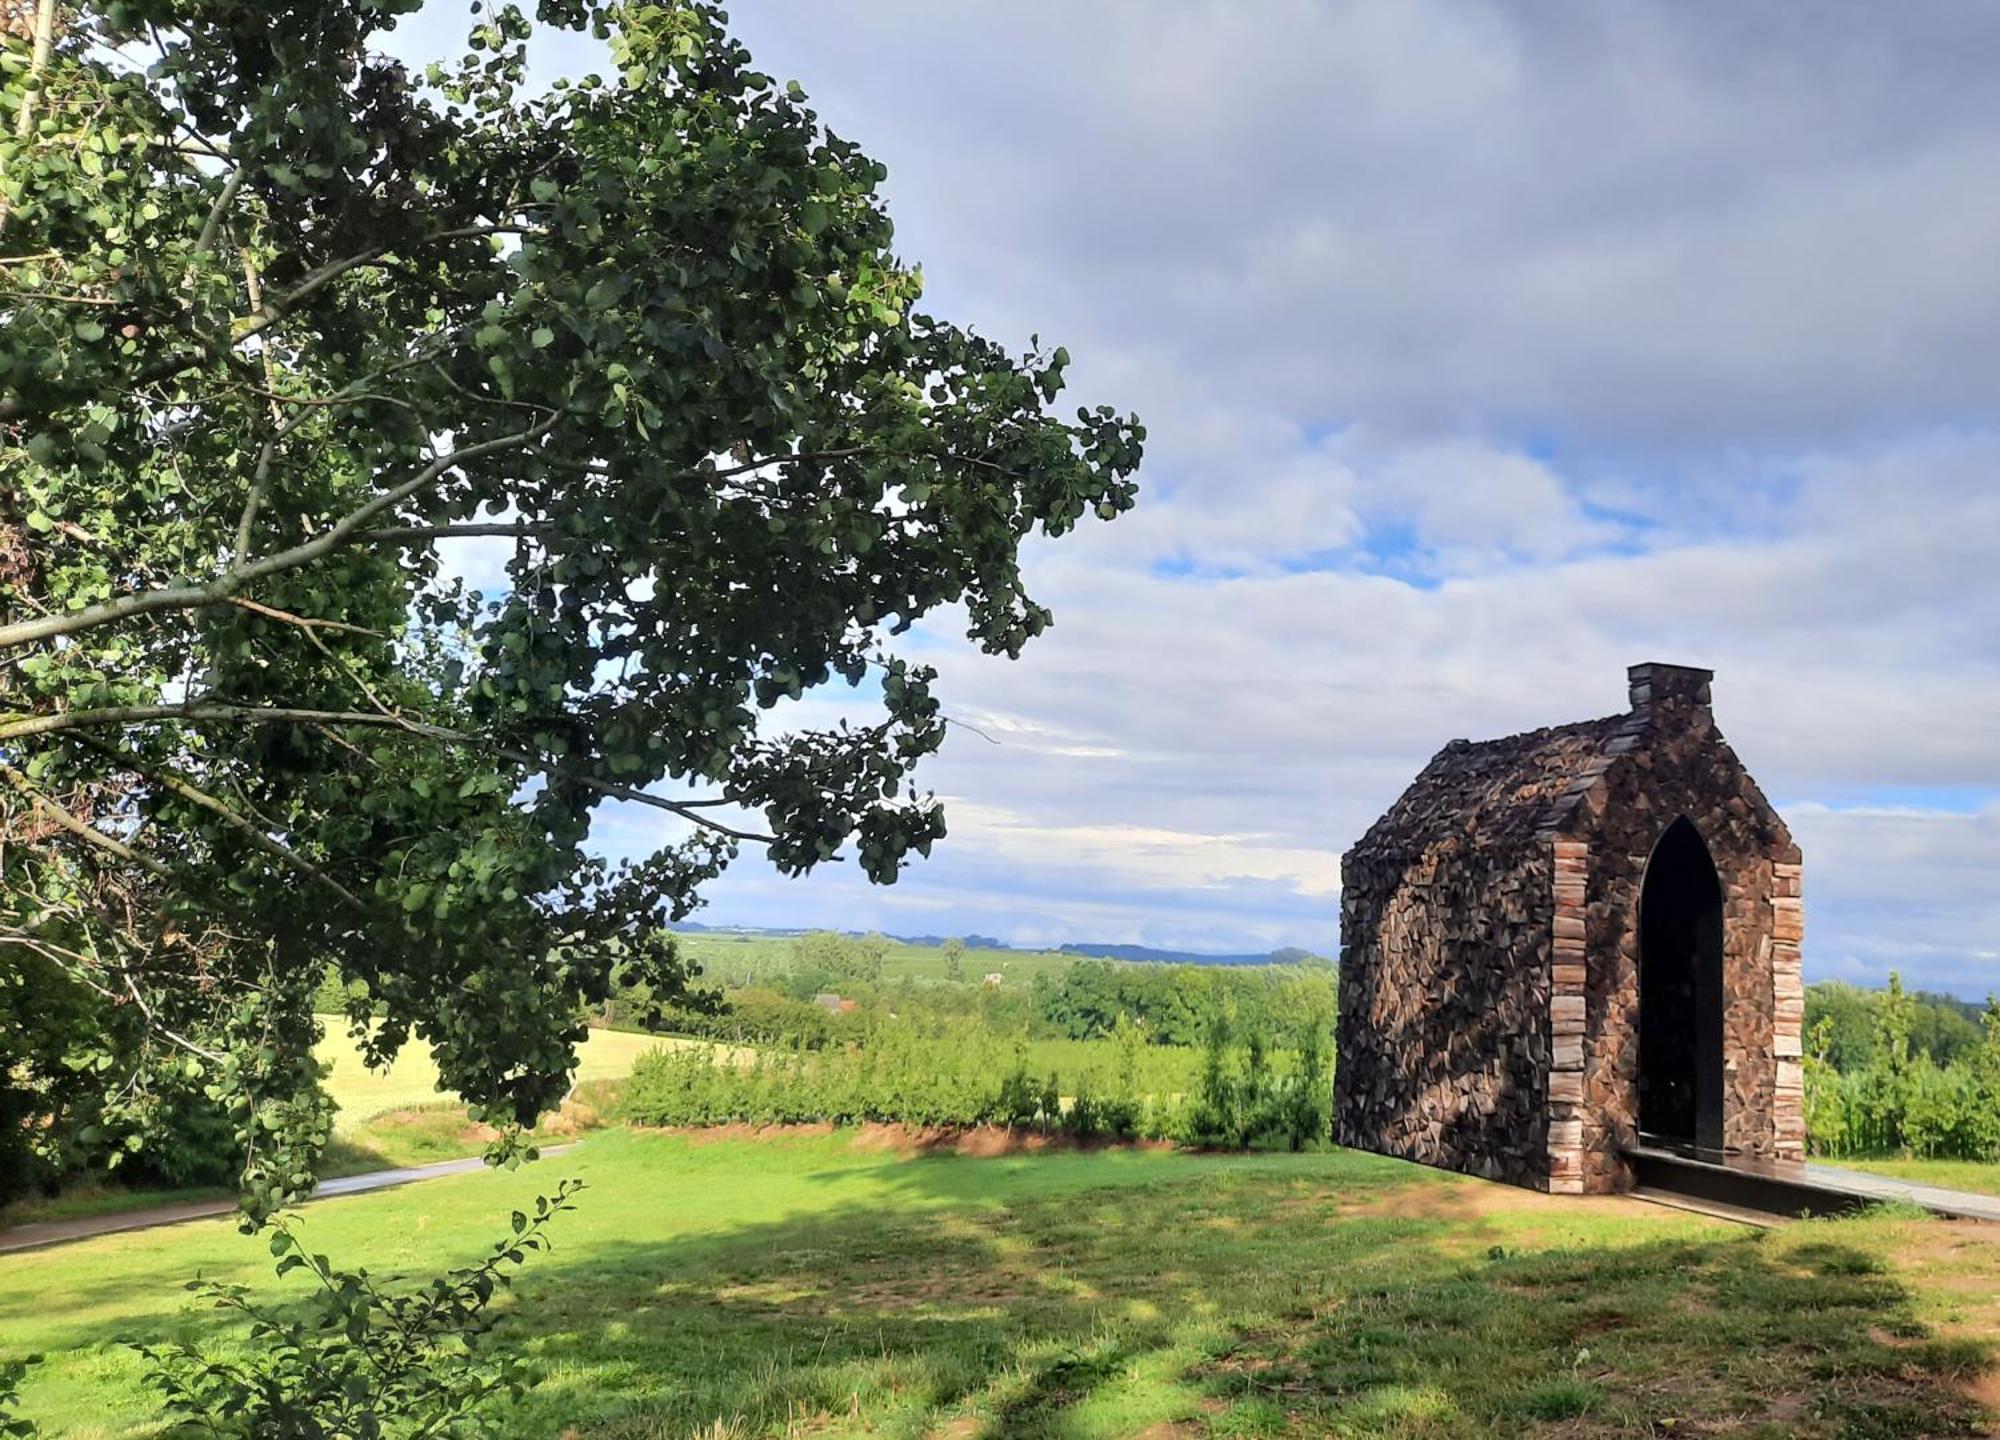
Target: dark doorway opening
x,y
1680,992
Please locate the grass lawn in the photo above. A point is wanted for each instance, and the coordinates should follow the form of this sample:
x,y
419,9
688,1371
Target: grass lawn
x,y
815,1285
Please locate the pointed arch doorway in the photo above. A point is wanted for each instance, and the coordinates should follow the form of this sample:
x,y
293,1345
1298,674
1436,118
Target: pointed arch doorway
x,y
1681,992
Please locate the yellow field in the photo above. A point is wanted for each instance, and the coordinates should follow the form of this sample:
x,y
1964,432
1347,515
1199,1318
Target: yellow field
x,y
412,1080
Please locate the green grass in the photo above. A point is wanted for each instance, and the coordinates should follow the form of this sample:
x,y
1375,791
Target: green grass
x,y
1979,1176
808,1285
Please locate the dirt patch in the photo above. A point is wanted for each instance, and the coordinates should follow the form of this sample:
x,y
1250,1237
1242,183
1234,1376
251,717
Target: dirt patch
x,y
979,1142
1985,1392
718,1134
1476,1200
1961,1258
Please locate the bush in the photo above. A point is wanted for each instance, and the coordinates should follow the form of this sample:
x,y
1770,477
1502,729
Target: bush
x,y
1900,1102
1215,1119
358,1361
1306,1105
899,1075
12,1373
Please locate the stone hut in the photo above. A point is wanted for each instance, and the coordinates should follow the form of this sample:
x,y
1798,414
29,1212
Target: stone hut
x,y
1559,942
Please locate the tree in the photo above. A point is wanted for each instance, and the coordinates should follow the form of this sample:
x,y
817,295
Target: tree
x,y
1308,1100
283,327
1215,1120
954,959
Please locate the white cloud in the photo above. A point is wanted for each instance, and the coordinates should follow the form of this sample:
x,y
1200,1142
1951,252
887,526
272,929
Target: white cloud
x,y
1483,349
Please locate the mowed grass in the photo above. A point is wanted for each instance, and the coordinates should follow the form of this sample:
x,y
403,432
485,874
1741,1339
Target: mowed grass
x,y
813,1285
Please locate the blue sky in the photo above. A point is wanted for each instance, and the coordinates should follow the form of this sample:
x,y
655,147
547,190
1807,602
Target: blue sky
x,y
1484,350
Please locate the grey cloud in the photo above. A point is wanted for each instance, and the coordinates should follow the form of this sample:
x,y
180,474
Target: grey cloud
x,y
1559,335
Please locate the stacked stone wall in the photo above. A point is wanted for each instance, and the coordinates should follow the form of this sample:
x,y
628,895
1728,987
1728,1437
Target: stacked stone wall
x,y
1444,1043
1489,978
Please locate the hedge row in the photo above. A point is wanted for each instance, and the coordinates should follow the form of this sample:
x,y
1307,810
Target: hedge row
x,y
969,1079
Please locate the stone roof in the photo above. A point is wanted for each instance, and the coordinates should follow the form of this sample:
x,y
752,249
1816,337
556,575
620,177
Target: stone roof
x,y
1494,793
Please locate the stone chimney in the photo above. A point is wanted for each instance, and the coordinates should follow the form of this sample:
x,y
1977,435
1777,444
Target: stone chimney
x,y
1656,684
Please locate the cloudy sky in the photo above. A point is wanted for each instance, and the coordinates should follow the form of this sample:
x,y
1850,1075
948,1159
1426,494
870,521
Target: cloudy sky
x,y
1483,349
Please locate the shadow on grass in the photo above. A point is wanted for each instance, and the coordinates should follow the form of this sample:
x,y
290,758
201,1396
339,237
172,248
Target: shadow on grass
x,y
1236,1300
1236,1297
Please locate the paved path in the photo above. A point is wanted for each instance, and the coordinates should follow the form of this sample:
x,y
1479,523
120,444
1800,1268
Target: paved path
x,y
1958,1204
1791,1187
61,1232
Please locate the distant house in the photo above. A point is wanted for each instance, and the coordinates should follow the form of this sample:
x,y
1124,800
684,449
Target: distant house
x,y
833,1004
1560,946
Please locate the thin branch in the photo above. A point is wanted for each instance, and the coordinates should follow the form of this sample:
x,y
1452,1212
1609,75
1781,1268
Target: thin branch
x,y
253,501
214,712
19,407
84,831
361,397
216,592
264,316
963,725
270,844
212,226
306,622
78,966
460,532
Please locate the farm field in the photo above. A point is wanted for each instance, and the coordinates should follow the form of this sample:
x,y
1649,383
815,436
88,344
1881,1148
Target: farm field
x,y
827,1284
363,1094
388,1118
729,958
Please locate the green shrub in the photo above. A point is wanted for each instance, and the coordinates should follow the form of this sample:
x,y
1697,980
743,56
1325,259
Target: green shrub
x,y
1305,1111
1900,1100
12,1373
354,1359
1215,1118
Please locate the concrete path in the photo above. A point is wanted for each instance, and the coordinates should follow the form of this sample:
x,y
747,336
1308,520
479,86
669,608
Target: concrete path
x,y
1789,1188
1954,1204
61,1232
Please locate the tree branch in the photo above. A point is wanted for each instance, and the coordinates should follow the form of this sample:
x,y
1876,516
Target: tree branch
x,y
219,590
84,831
215,712
459,532
268,843
305,622
213,224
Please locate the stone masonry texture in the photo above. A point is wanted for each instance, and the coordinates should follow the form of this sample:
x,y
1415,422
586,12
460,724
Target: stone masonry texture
x,y
1489,976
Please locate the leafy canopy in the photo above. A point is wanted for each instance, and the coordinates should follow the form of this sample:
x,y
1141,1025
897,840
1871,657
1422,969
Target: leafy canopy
x,y
284,328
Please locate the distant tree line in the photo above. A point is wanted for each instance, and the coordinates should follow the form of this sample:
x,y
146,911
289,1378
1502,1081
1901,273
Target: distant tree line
x,y
1940,1026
